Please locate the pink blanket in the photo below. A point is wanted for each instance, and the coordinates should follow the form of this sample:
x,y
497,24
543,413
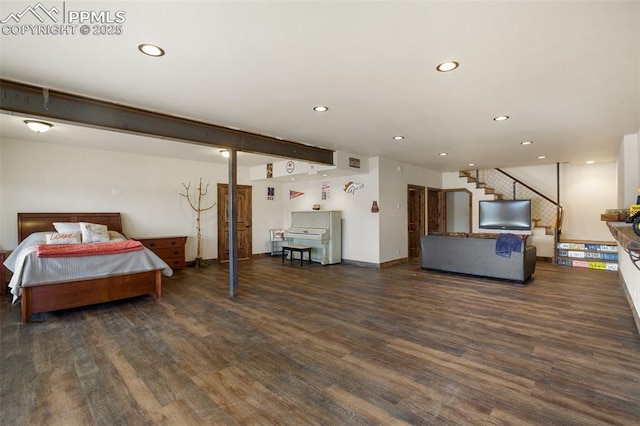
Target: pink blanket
x,y
87,249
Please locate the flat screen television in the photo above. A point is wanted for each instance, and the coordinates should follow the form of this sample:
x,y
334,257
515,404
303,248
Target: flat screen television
x,y
513,215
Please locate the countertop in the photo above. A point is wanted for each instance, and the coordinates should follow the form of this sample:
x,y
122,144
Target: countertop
x,y
623,233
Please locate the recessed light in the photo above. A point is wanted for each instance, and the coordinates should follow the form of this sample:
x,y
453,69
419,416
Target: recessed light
x,y
471,164
38,126
501,118
321,108
443,154
224,153
526,143
324,175
541,157
293,178
151,50
447,66
590,162
398,138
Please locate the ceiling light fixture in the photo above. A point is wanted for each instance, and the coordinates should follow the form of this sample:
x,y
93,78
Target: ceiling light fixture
x,y
151,50
224,153
398,138
447,66
471,164
501,118
590,162
321,108
443,154
542,157
526,143
38,126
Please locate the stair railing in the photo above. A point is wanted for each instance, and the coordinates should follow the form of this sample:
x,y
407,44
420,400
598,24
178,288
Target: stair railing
x,y
559,208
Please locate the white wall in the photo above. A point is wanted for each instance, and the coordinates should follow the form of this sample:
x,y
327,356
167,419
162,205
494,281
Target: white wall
x,y
458,211
587,191
452,180
360,236
2,214
631,277
43,177
542,178
628,172
394,180
629,179
150,188
367,237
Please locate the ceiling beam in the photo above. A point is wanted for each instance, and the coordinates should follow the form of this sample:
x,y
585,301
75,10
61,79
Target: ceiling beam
x,y
20,98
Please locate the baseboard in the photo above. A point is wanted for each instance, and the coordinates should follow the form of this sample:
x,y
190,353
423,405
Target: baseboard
x,y
376,265
359,263
191,263
394,262
257,255
349,261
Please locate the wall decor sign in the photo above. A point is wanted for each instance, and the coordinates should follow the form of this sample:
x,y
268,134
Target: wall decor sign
x,y
291,166
354,162
326,190
269,170
313,169
271,193
350,187
294,194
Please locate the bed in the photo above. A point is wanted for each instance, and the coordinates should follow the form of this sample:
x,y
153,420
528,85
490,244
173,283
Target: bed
x,y
75,281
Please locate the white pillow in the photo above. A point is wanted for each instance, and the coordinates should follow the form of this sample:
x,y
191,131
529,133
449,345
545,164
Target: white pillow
x,y
116,236
64,238
94,233
67,227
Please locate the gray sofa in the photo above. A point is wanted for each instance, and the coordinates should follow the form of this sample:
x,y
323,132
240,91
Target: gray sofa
x,y
476,256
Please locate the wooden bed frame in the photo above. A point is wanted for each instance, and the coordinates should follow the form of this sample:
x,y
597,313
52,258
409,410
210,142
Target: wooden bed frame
x,y
72,294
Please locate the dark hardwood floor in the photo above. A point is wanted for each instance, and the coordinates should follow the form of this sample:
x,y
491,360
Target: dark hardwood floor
x,y
333,345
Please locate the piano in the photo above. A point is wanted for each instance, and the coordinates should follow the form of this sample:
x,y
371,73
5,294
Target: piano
x,y
320,230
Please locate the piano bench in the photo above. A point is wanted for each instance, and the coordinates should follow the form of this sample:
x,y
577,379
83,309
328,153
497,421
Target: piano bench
x,y
291,248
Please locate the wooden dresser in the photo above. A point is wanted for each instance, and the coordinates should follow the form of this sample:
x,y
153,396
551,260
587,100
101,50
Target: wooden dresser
x,y
169,249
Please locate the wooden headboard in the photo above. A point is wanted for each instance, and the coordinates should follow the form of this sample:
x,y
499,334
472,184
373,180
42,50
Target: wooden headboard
x,y
29,223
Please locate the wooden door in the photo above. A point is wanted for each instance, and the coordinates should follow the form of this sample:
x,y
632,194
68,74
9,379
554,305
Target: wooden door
x,y
434,210
244,222
415,209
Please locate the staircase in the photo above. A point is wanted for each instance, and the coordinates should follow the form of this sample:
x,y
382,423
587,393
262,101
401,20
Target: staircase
x,y
472,177
546,213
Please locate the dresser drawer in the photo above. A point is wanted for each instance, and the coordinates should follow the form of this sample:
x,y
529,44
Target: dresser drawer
x,y
174,262
162,243
167,253
169,249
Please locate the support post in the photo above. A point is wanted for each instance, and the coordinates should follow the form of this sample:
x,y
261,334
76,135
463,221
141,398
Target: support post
x,y
233,223
556,231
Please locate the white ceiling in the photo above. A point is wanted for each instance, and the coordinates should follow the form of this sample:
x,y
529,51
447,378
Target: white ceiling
x,y
567,73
